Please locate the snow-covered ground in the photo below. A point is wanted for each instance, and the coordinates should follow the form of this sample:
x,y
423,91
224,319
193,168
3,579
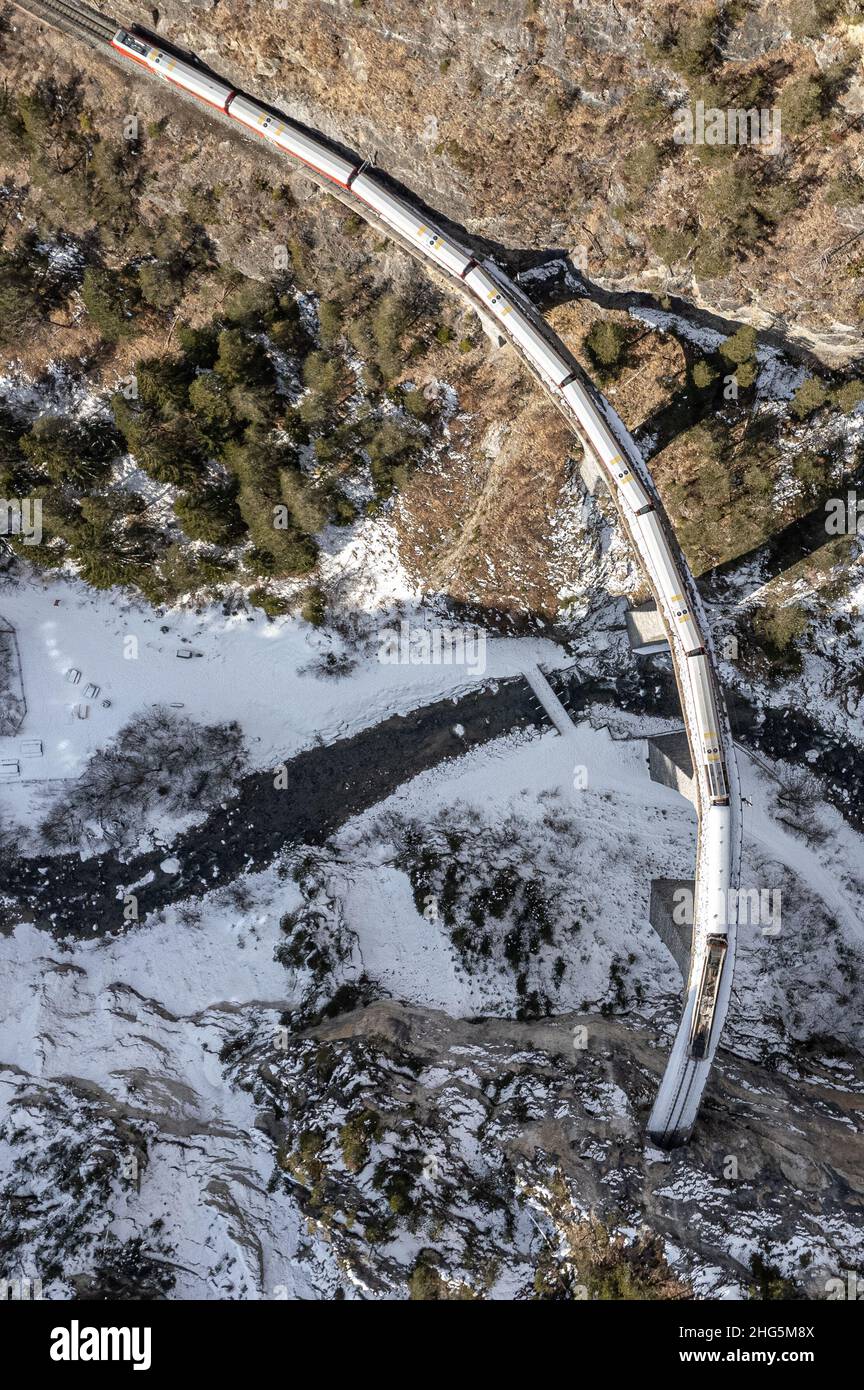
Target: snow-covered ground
x,y
125,1045
266,675
619,817
142,1019
145,1022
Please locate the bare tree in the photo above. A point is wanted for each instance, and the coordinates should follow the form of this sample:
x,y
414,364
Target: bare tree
x,y
161,763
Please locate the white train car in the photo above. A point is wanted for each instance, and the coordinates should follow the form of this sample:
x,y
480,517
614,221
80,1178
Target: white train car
x,y
669,581
716,834
699,676
292,140
201,84
605,446
519,327
705,1005
405,219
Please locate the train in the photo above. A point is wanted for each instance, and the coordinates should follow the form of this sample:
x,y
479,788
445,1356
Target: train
x,y
706,996
630,484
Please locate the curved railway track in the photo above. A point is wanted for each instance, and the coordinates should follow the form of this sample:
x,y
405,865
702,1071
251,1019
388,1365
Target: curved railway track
x,y
590,417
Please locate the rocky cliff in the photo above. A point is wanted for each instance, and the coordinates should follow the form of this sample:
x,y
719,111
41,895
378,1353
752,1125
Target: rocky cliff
x,y
546,125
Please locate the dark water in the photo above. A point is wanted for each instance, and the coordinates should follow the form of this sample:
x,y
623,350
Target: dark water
x,y
329,785
326,786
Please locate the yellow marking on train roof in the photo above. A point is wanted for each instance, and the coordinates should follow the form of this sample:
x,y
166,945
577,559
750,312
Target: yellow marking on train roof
x,y
616,458
676,598
710,733
682,617
421,230
713,757
626,478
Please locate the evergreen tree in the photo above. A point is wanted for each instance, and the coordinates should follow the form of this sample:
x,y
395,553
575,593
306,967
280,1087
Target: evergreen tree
x,y
109,302
243,362
210,514
72,452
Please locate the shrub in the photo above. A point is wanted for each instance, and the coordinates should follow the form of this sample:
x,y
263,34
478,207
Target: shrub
x,y
356,1137
389,324
391,450
605,343
416,404
737,214
776,627
284,551
731,197
330,321
314,607
159,284
109,302
326,382
109,185
769,1285
703,374
425,1283
849,395
812,471
647,106
740,346
800,102
308,508
274,605
714,256
776,201
257,460
641,167
746,373
692,47
811,18
671,244
847,190
810,397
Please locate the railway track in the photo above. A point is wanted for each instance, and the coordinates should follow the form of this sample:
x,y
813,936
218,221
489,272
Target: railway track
x,y
74,18
686,1074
